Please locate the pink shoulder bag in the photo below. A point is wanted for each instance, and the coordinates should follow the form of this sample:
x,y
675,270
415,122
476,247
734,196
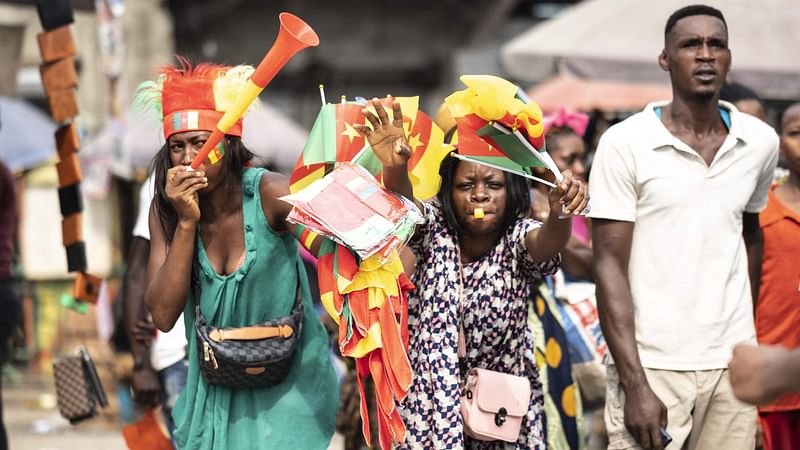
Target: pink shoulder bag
x,y
493,404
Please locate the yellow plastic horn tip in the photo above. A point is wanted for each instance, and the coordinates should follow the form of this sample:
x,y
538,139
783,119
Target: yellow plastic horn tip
x,y
478,213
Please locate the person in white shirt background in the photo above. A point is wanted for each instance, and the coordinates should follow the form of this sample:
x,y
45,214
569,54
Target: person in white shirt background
x,y
160,366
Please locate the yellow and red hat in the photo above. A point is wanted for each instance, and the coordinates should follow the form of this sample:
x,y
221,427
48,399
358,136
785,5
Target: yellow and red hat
x,y
190,98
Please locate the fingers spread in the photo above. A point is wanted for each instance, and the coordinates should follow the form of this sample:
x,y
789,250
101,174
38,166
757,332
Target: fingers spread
x,y
398,114
372,118
381,111
363,129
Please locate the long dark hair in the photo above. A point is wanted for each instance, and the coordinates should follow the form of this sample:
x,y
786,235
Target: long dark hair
x,y
237,156
518,201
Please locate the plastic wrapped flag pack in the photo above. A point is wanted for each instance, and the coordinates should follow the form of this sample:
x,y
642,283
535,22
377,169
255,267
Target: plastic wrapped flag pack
x,y
349,206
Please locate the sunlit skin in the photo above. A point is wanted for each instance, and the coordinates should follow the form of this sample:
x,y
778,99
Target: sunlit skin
x,y
203,197
183,147
475,186
568,152
697,57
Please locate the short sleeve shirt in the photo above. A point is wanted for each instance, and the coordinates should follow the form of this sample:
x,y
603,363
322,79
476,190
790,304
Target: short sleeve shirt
x,y
688,263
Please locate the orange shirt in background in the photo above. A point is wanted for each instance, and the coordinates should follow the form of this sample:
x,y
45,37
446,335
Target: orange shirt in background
x,y
778,307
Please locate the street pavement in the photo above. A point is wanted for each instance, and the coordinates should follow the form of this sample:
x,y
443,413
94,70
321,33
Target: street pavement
x,y
33,422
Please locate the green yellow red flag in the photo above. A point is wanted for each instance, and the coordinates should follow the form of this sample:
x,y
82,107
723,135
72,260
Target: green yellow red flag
x,y
333,138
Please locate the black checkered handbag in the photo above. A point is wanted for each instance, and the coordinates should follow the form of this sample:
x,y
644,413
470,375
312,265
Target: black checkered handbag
x,y
249,357
78,388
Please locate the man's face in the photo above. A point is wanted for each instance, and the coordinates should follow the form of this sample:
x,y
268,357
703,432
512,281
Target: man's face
x,y
697,56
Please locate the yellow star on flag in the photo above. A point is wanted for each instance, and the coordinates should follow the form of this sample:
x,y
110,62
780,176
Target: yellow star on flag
x,y
350,132
414,142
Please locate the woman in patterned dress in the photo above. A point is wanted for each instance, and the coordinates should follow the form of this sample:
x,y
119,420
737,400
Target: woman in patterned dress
x,y
498,258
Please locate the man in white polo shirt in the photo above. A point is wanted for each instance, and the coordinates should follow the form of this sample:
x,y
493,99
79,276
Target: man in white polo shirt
x,y
676,190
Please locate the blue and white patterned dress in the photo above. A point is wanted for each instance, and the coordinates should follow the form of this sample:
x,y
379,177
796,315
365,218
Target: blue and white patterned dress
x,y
496,294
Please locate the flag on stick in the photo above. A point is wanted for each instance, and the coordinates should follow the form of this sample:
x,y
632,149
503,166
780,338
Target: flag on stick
x,y
499,127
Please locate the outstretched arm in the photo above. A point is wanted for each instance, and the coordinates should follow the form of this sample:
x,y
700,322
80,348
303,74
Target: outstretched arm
x,y
567,198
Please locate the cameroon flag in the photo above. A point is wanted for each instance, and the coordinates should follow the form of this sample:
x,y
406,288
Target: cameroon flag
x,y
333,138
498,126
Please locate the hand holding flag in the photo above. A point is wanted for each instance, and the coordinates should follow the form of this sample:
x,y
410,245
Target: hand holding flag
x,y
386,137
499,127
569,196
334,138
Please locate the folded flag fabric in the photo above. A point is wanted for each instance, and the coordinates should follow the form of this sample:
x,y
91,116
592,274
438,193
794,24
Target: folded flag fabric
x,y
333,139
498,126
368,300
362,283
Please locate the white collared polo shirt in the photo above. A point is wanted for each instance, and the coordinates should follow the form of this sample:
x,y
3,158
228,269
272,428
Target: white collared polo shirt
x,y
688,263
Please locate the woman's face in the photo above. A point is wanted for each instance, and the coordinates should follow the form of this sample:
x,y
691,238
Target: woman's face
x,y
479,186
183,147
568,153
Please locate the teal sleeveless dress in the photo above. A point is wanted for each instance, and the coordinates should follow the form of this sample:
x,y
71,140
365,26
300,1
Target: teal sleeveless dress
x,y
300,412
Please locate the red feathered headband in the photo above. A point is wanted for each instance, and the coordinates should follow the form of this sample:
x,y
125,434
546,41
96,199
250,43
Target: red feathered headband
x,y
195,98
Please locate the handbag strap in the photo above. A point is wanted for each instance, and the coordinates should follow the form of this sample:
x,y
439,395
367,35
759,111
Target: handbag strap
x,y
462,344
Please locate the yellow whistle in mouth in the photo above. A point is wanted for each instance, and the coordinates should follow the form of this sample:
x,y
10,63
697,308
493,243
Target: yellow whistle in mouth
x,y
478,213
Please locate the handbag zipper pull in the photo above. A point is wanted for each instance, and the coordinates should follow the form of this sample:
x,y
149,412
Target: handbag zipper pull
x,y
205,351
213,359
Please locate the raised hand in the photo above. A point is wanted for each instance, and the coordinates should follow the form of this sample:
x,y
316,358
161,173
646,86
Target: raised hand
x,y
181,189
570,196
386,137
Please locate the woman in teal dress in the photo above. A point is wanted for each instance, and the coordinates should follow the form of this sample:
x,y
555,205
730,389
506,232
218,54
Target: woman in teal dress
x,y
248,271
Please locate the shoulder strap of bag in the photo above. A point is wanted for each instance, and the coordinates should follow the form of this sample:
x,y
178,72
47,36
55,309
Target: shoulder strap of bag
x,y
462,344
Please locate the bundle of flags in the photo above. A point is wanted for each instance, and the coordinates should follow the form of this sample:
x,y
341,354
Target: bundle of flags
x,y
367,294
350,207
499,127
368,300
333,139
